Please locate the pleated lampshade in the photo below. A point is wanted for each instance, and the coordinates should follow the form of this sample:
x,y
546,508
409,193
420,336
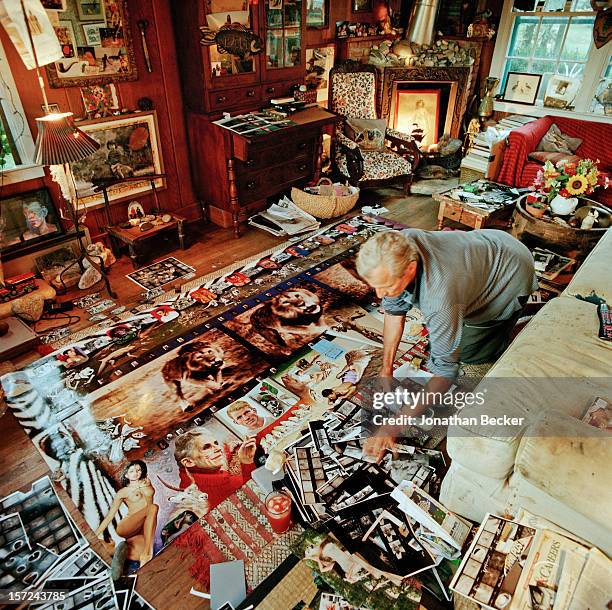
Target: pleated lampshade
x,y
60,141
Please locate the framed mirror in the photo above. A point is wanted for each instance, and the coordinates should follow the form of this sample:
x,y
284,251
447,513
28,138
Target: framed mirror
x,y
96,43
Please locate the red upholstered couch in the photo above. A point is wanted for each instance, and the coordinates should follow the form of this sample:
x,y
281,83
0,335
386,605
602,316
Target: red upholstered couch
x,y
519,170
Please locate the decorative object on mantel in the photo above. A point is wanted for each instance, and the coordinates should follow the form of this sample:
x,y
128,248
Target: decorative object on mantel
x,y
481,28
440,53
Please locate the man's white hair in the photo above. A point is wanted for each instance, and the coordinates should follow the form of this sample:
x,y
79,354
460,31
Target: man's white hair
x,y
390,249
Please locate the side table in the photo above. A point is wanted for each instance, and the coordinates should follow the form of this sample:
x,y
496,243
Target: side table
x,y
134,237
473,216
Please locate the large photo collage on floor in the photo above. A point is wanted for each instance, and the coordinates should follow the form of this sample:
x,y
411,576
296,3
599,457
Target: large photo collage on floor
x,y
153,421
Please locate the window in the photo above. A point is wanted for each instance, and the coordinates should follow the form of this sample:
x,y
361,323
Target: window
x,y
16,143
551,37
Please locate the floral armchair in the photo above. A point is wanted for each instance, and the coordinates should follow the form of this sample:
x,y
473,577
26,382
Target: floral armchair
x,y
352,94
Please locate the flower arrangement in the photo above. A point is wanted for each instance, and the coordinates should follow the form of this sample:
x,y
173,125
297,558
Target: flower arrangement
x,y
568,179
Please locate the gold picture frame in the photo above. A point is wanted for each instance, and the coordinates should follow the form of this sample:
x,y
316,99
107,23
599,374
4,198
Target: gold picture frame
x,y
111,61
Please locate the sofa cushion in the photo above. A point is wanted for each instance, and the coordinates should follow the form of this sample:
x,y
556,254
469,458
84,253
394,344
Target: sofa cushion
x,y
555,140
554,157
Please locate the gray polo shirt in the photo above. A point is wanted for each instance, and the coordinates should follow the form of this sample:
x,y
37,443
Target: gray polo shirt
x,y
464,276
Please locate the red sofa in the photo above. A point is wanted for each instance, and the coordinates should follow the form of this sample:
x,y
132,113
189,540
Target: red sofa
x,y
519,170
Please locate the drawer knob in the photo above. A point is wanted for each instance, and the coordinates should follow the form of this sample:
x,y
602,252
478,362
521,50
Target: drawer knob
x,y
221,99
302,145
251,93
302,167
250,185
250,162
271,89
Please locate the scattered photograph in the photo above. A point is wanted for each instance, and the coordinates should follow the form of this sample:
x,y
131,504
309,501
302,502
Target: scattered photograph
x,y
160,273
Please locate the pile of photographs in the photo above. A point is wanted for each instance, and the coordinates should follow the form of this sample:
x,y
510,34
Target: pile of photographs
x,y
45,560
532,564
335,486
254,124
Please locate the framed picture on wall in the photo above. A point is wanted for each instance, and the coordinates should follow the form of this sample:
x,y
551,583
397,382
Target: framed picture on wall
x,y
317,14
28,219
522,88
129,146
54,5
96,44
362,6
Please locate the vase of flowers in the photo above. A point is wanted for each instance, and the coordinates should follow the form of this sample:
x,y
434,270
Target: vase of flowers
x,y
561,184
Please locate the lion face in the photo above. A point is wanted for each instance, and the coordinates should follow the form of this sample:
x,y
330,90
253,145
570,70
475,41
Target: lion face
x,y
294,304
205,358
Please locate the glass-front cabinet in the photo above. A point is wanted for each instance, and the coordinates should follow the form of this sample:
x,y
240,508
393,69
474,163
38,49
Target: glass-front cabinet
x,y
283,31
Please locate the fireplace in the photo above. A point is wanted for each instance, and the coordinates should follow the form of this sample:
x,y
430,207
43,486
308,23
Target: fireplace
x,y
429,99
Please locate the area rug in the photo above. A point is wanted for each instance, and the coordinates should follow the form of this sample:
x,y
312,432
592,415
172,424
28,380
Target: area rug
x,y
135,401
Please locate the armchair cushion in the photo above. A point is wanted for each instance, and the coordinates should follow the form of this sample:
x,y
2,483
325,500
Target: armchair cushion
x,y
378,165
368,134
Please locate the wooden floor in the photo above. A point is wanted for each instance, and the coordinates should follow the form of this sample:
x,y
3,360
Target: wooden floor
x,y
165,582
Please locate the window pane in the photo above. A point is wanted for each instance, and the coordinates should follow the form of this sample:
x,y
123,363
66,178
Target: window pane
x,y
274,49
8,160
567,68
579,39
523,37
554,5
581,5
292,48
550,36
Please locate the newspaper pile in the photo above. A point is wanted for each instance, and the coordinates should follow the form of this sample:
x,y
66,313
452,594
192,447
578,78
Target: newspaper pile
x,y
532,564
48,562
284,219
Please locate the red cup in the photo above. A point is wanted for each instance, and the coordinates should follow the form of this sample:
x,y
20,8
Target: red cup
x,y
278,511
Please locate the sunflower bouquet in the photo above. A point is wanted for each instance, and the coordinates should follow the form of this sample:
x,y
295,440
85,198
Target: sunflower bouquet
x,y
568,179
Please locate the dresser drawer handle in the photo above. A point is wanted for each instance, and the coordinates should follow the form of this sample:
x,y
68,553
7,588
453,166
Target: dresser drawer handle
x,y
270,89
250,185
302,167
250,162
221,99
301,145
251,93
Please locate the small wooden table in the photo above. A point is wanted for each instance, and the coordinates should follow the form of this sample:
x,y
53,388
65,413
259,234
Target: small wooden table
x,y
134,237
470,215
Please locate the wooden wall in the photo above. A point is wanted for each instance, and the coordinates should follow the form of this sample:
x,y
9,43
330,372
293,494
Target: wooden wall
x,y
162,86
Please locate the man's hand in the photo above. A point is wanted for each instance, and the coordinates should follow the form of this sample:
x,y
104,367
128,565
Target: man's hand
x,y
376,446
246,453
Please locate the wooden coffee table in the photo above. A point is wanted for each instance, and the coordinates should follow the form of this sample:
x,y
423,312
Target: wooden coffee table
x,y
471,215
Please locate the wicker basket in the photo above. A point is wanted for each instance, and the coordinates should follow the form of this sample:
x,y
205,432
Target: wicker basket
x,y
327,205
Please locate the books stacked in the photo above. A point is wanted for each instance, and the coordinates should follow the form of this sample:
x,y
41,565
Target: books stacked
x,y
487,153
284,219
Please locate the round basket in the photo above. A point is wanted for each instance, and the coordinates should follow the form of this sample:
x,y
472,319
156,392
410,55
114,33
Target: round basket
x,y
325,206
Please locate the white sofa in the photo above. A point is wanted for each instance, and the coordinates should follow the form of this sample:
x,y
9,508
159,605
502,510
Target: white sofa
x,y
553,465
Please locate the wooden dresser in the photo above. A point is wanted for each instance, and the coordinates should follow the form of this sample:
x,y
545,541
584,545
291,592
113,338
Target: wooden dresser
x,y
241,171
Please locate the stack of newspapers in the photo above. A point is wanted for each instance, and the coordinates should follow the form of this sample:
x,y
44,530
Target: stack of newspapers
x,y
284,219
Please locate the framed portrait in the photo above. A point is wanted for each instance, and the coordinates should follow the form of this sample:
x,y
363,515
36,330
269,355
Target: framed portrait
x,y
317,14
129,146
362,6
28,219
417,113
561,91
522,88
96,43
319,61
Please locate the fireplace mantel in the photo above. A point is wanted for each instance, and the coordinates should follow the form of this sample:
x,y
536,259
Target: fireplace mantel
x,y
390,76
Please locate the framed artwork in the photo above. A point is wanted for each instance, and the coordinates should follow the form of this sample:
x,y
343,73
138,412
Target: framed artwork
x,y
96,43
362,6
99,100
522,88
28,219
319,61
317,14
129,146
561,91
90,10
67,39
417,113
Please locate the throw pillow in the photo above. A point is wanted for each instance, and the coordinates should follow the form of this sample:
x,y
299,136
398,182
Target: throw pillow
x,y
553,157
368,134
556,141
